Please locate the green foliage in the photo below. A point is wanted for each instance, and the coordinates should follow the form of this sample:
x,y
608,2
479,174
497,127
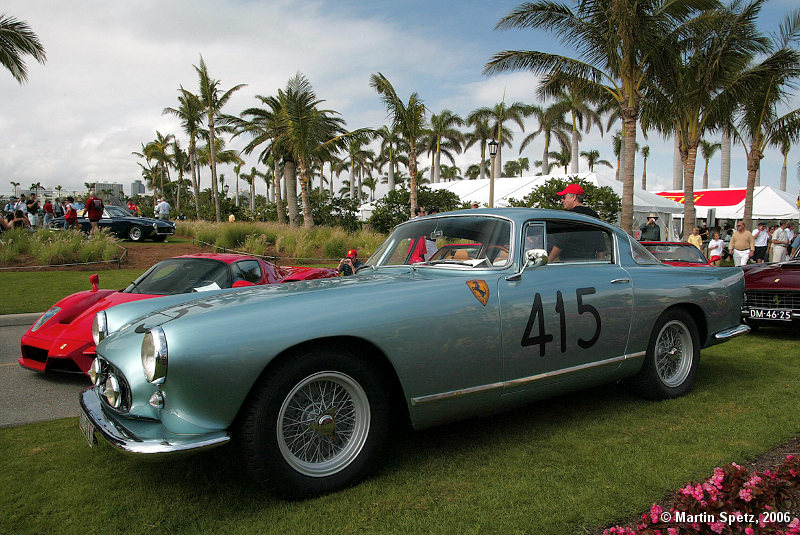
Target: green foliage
x,y
57,247
233,235
603,200
393,209
334,211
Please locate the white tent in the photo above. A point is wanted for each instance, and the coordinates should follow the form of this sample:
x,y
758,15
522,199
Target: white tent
x,y
728,203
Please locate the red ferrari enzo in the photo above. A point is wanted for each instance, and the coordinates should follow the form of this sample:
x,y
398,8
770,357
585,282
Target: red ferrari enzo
x,y
61,339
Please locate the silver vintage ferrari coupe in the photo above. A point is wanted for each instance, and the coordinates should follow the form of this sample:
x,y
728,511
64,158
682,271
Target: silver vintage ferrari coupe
x,y
307,378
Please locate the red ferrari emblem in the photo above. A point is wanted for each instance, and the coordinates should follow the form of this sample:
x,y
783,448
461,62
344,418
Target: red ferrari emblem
x,y
480,290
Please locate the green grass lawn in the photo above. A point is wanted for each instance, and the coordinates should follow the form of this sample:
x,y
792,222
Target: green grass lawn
x,y
567,465
36,291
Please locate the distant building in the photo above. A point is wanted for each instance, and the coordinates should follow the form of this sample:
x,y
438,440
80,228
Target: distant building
x,y
112,192
137,188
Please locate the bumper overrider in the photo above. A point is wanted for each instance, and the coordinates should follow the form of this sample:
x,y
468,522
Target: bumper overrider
x,y
137,436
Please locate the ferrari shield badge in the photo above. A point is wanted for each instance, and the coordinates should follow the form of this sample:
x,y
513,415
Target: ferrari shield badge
x,y
480,290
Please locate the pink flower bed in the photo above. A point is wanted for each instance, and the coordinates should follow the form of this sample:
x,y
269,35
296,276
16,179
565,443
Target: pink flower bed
x,y
731,501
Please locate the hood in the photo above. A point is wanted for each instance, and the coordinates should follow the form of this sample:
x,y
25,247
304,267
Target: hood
x,y
784,275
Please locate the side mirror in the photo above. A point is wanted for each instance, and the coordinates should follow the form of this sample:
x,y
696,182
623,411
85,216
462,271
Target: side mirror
x,y
535,258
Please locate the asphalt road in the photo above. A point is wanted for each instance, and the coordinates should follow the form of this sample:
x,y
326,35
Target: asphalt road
x,y
27,396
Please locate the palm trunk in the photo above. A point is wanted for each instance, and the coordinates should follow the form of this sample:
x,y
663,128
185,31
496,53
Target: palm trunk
x,y
196,170
689,163
545,157
483,159
758,176
629,151
705,176
753,164
308,219
360,185
644,175
783,172
412,171
252,195
725,153
237,189
290,177
437,165
352,178
278,198
178,200
391,173
677,165
573,165
213,153
498,160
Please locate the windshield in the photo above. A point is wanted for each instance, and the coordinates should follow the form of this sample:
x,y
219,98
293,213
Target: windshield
x,y
472,241
182,275
116,211
677,253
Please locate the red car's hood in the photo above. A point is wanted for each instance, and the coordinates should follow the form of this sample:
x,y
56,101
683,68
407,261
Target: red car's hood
x,y
683,264
784,275
74,321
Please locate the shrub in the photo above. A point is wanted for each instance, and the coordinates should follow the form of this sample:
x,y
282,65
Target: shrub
x,y
233,235
394,209
602,199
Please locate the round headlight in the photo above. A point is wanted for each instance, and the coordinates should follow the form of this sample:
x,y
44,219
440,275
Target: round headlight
x,y
99,327
94,371
154,355
46,316
111,391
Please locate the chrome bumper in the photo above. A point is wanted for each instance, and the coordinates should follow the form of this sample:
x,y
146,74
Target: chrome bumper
x,y
142,437
733,332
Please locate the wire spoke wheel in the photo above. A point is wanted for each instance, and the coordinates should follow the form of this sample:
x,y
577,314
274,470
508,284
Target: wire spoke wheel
x,y
674,353
323,424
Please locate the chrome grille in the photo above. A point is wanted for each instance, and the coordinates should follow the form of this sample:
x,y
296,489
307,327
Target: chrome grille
x,y
125,390
786,299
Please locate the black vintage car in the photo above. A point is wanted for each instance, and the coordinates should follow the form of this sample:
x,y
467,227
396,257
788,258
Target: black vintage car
x,y
122,224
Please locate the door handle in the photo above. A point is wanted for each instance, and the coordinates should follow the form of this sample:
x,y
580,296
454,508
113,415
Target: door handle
x,y
620,281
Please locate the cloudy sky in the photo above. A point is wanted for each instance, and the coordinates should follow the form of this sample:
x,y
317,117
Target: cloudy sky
x,y
113,66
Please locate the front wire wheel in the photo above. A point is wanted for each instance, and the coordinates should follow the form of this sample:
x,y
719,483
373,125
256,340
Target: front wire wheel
x,y
323,424
672,359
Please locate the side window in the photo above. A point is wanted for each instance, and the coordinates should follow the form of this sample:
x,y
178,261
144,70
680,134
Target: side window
x,y
247,270
534,237
570,241
641,255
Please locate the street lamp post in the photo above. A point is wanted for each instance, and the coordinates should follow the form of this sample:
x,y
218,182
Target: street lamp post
x,y
492,153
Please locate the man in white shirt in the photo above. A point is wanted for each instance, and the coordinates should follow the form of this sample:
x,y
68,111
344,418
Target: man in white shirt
x,y
162,209
761,240
779,243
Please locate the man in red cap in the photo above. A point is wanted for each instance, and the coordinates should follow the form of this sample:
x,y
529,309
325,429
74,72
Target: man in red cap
x,y
349,265
572,199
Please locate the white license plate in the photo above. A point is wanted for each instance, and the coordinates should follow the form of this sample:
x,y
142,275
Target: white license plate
x,y
87,428
770,314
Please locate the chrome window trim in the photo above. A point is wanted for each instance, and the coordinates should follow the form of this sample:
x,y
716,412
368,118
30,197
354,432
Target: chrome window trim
x,y
443,396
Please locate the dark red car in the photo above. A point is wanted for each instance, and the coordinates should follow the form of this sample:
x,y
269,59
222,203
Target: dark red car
x,y
61,339
772,293
677,253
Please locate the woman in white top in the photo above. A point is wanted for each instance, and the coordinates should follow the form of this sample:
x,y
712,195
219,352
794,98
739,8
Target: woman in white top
x,y
715,249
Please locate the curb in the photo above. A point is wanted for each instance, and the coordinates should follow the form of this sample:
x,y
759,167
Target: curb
x,y
14,320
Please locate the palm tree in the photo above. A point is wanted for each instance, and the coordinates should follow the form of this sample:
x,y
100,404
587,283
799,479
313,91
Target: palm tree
x,y
308,132
14,185
409,118
481,133
391,141
213,99
190,113
35,187
617,39
179,160
582,118
497,117
562,158
593,158
770,82
698,81
551,123
16,41
725,157
707,150
158,150
446,138
646,154
511,168
784,144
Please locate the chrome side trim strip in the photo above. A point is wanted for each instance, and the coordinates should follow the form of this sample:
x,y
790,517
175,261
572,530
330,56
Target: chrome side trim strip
x,y
727,334
523,380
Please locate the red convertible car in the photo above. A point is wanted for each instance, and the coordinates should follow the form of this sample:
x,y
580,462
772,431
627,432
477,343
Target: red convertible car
x,y
61,339
772,293
677,253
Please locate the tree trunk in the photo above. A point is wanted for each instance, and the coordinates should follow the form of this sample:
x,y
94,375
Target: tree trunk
x,y
688,165
783,173
237,189
705,176
629,150
252,195
437,166
360,186
498,160
412,171
725,153
677,165
290,177
196,169
621,158
483,159
308,218
178,197
545,156
391,173
644,175
278,197
352,178
573,164
213,153
753,165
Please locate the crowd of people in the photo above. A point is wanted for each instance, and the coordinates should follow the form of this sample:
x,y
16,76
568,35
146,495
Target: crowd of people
x,y
29,213
763,244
